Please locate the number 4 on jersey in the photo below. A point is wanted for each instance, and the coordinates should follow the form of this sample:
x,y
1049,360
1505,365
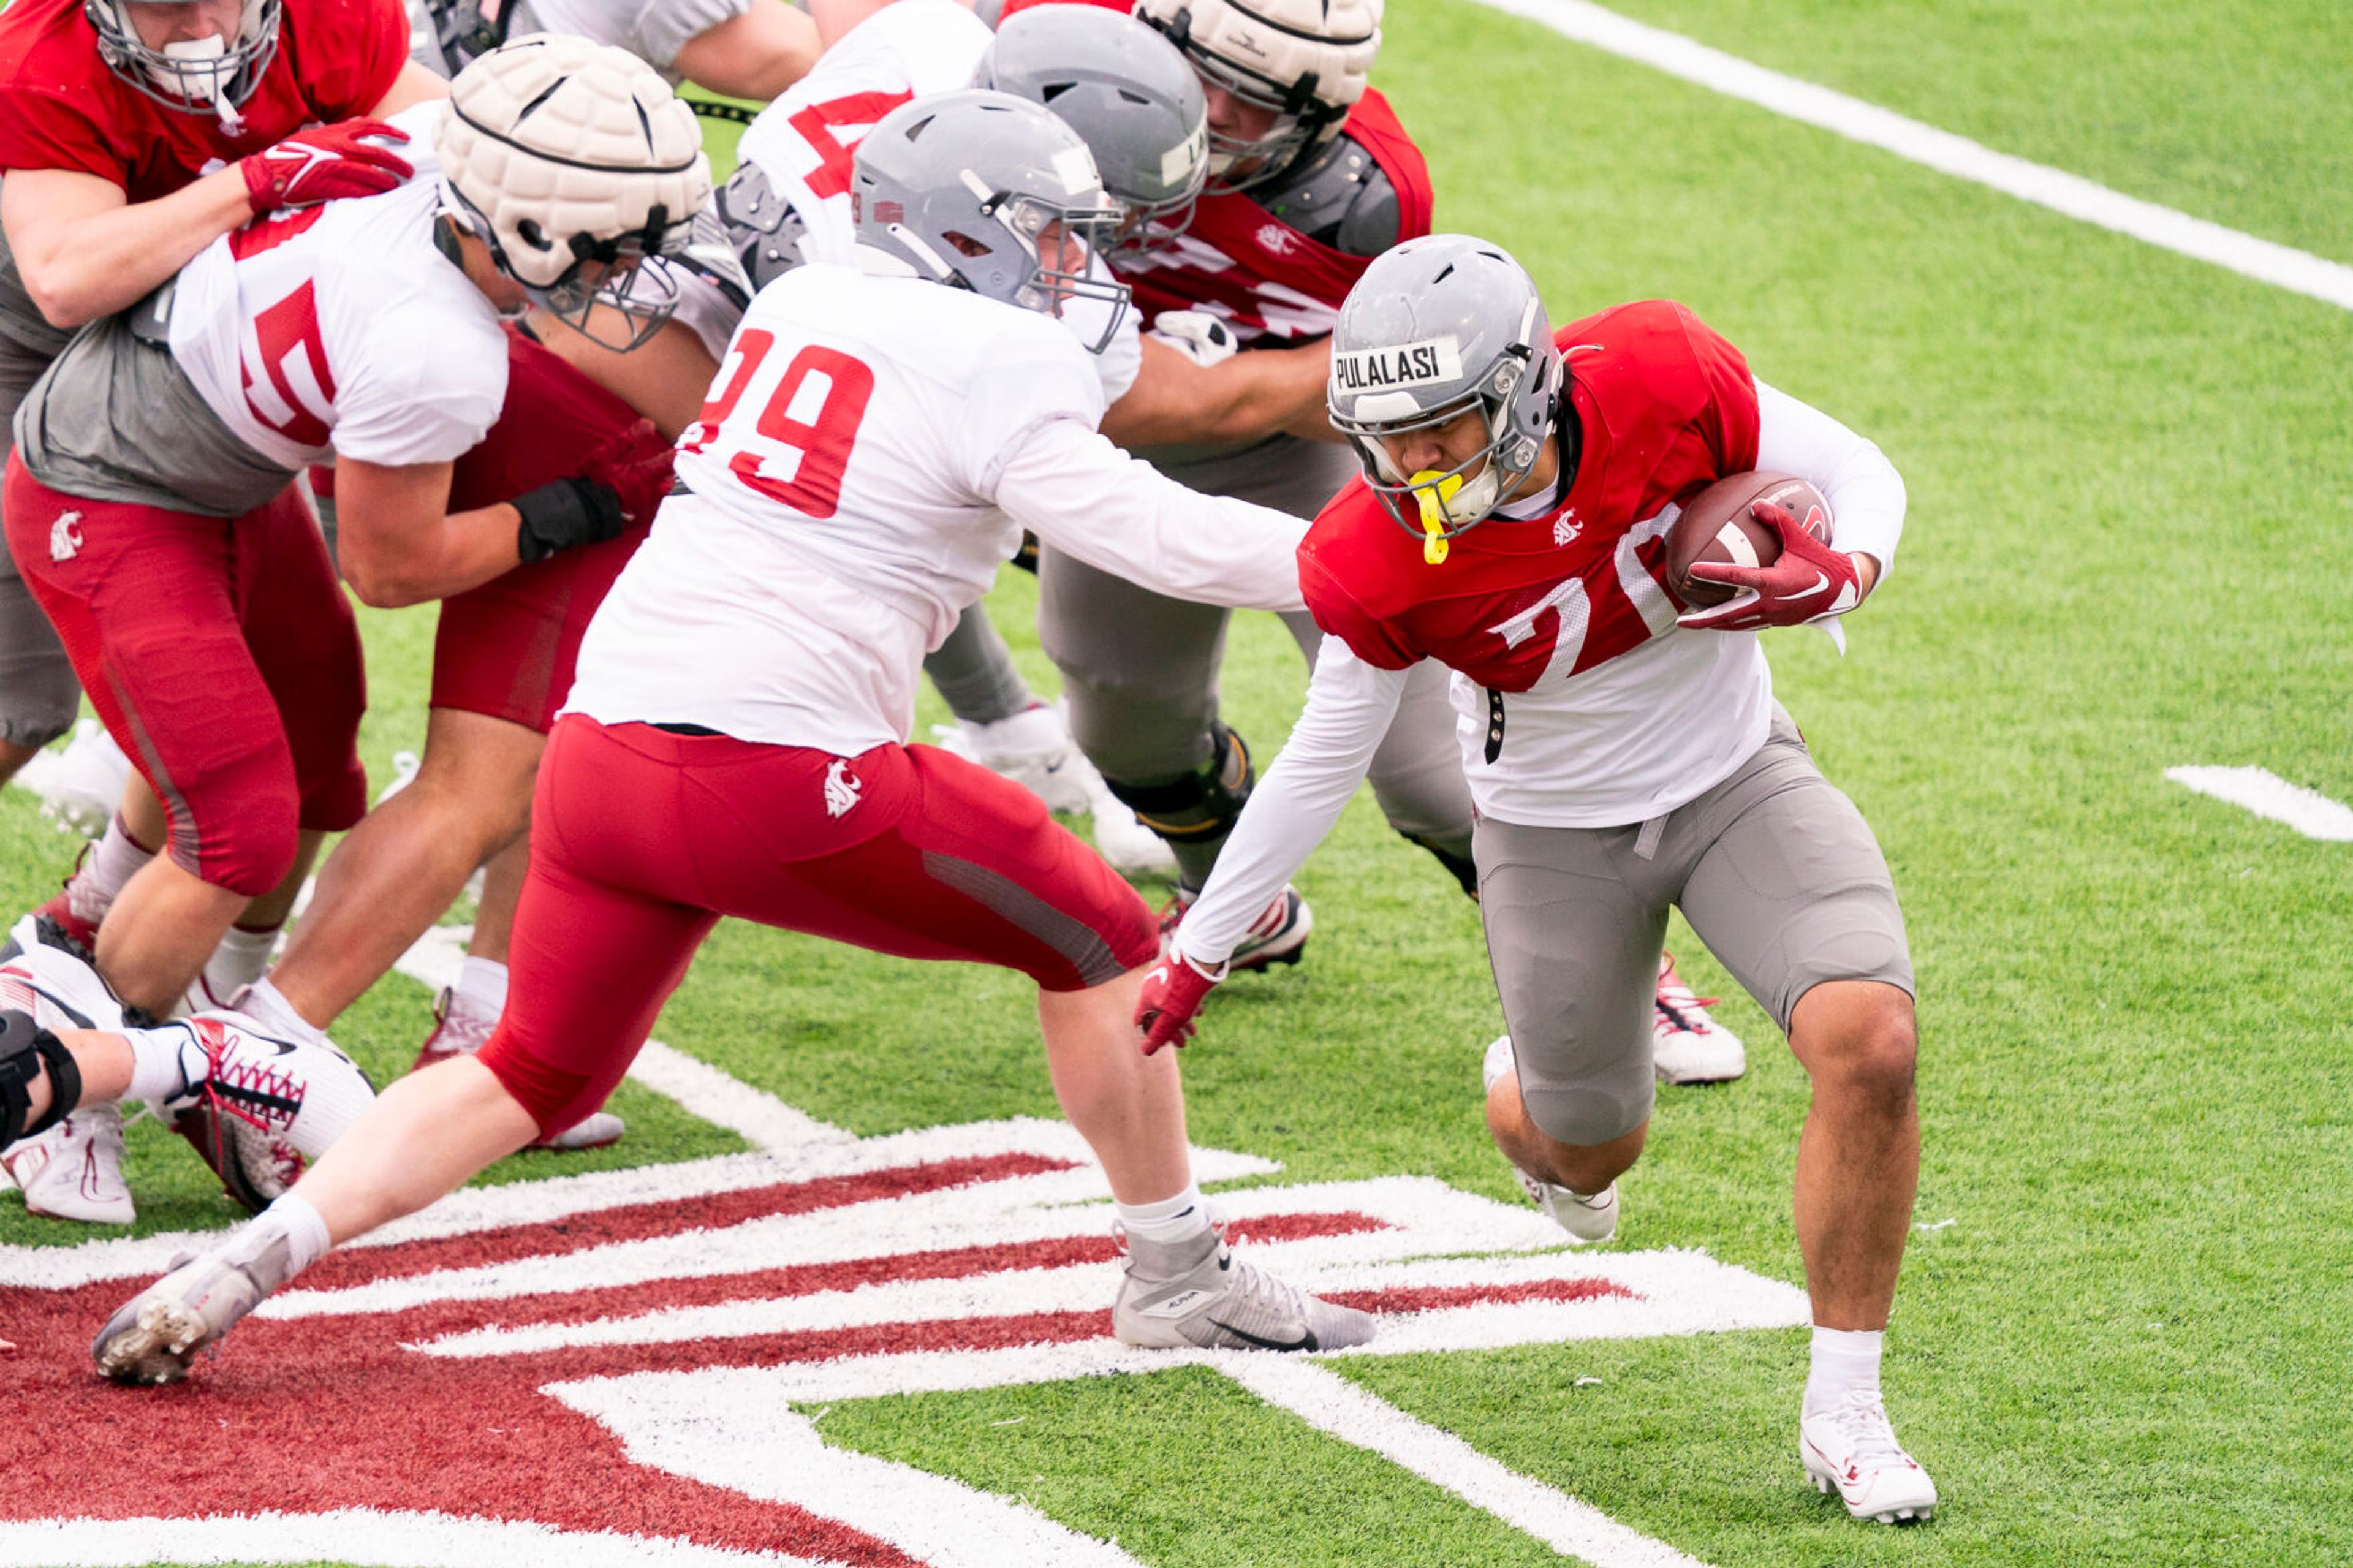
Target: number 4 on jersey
x,y
819,125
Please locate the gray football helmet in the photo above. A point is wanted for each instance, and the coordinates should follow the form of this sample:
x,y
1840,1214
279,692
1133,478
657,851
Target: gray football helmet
x,y
1436,327
1129,94
960,188
213,76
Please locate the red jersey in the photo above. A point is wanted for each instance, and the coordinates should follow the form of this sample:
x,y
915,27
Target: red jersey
x,y
61,108
1665,407
1267,279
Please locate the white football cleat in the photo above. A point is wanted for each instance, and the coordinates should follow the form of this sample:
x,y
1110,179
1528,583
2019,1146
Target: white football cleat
x,y
1687,1045
460,1028
1276,937
1193,1292
306,1094
1034,749
1586,1220
81,785
74,1171
153,1337
1851,1449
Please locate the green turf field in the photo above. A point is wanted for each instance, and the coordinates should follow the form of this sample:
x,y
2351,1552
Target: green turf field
x,y
2129,475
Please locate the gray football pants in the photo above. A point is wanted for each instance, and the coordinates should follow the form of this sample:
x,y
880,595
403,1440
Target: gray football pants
x,y
974,671
1140,670
39,693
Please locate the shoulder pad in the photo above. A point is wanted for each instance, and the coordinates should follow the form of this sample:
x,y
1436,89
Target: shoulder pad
x,y
1340,197
762,228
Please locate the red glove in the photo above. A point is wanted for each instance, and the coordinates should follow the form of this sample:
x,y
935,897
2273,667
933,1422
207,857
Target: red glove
x,y
1172,995
635,467
1808,581
324,162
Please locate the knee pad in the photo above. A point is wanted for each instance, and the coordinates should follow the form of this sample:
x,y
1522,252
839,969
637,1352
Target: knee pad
x,y
25,1049
1201,805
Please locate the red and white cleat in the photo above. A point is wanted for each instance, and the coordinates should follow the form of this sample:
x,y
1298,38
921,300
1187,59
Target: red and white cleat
x,y
1275,937
74,1171
1851,1449
460,1028
1689,1046
255,1164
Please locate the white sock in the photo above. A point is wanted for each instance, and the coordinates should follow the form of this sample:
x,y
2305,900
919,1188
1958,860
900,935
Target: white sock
x,y
112,862
483,984
164,1061
264,1005
242,958
305,1232
1845,1360
1171,1219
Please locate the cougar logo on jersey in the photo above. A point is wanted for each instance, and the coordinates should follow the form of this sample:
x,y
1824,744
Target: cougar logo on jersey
x,y
1566,528
841,787
1275,239
1409,364
65,539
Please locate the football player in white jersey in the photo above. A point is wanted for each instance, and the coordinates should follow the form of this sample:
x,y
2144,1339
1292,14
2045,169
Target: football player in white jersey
x,y
742,48
192,590
737,738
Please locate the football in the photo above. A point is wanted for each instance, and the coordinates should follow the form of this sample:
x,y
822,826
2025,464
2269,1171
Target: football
x,y
1715,526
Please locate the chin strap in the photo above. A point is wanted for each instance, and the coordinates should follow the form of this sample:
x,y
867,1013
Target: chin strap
x,y
25,1048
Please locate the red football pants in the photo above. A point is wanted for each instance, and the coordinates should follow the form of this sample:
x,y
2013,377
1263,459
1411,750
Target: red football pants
x,y
642,838
223,658
508,648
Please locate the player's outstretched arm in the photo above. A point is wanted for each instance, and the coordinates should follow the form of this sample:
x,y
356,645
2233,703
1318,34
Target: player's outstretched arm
x,y
1290,811
1237,397
1075,489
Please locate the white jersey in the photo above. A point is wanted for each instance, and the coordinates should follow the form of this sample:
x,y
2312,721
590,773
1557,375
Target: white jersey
x,y
803,142
653,30
872,449
340,330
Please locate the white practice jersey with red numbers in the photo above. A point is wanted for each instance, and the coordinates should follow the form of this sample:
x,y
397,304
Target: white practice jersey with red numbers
x,y
873,449
340,330
803,142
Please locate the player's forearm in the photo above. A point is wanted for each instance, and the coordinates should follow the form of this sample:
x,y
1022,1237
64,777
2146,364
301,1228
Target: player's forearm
x,y
1078,492
390,568
1295,808
78,267
1244,398
756,55
1866,493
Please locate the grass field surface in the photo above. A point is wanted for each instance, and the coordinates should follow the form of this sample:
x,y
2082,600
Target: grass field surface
x,y
2122,1343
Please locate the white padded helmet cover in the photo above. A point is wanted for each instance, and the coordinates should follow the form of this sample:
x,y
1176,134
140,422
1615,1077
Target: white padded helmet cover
x,y
1281,41
551,136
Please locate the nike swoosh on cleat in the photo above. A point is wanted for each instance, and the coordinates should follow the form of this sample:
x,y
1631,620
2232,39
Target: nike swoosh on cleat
x,y
1306,1340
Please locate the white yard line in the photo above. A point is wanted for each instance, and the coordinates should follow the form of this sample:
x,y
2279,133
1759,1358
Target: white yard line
x,y
2270,796
2261,259
1331,1404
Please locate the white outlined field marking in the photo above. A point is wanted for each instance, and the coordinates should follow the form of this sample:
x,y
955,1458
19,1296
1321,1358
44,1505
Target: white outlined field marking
x,y
2272,798
2261,259
369,1536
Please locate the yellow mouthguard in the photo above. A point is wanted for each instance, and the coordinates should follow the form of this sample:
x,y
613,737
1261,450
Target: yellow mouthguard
x,y
1434,491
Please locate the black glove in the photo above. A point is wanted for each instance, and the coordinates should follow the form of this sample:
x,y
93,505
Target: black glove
x,y
563,513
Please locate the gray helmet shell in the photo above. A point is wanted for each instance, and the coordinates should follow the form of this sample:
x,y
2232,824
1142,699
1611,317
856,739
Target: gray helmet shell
x,y
1125,89
958,187
1435,327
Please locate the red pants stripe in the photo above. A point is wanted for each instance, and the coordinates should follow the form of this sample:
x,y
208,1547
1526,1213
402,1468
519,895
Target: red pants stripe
x,y
642,838
223,658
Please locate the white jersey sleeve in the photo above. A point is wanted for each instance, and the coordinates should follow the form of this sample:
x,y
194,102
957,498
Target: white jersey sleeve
x,y
653,30
1294,806
1865,492
804,141
1070,486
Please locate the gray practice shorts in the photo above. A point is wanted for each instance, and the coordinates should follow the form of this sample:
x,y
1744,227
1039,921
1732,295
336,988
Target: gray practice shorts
x,y
39,693
1775,870
1140,671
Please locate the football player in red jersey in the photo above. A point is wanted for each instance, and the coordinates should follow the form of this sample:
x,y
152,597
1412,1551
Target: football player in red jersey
x,y
111,112
1509,524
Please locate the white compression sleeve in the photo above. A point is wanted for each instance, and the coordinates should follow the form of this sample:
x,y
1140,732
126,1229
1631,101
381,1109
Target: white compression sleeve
x,y
1865,492
1080,493
1349,705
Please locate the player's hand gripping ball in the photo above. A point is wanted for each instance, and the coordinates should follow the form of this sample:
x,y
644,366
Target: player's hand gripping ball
x,y
1752,551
